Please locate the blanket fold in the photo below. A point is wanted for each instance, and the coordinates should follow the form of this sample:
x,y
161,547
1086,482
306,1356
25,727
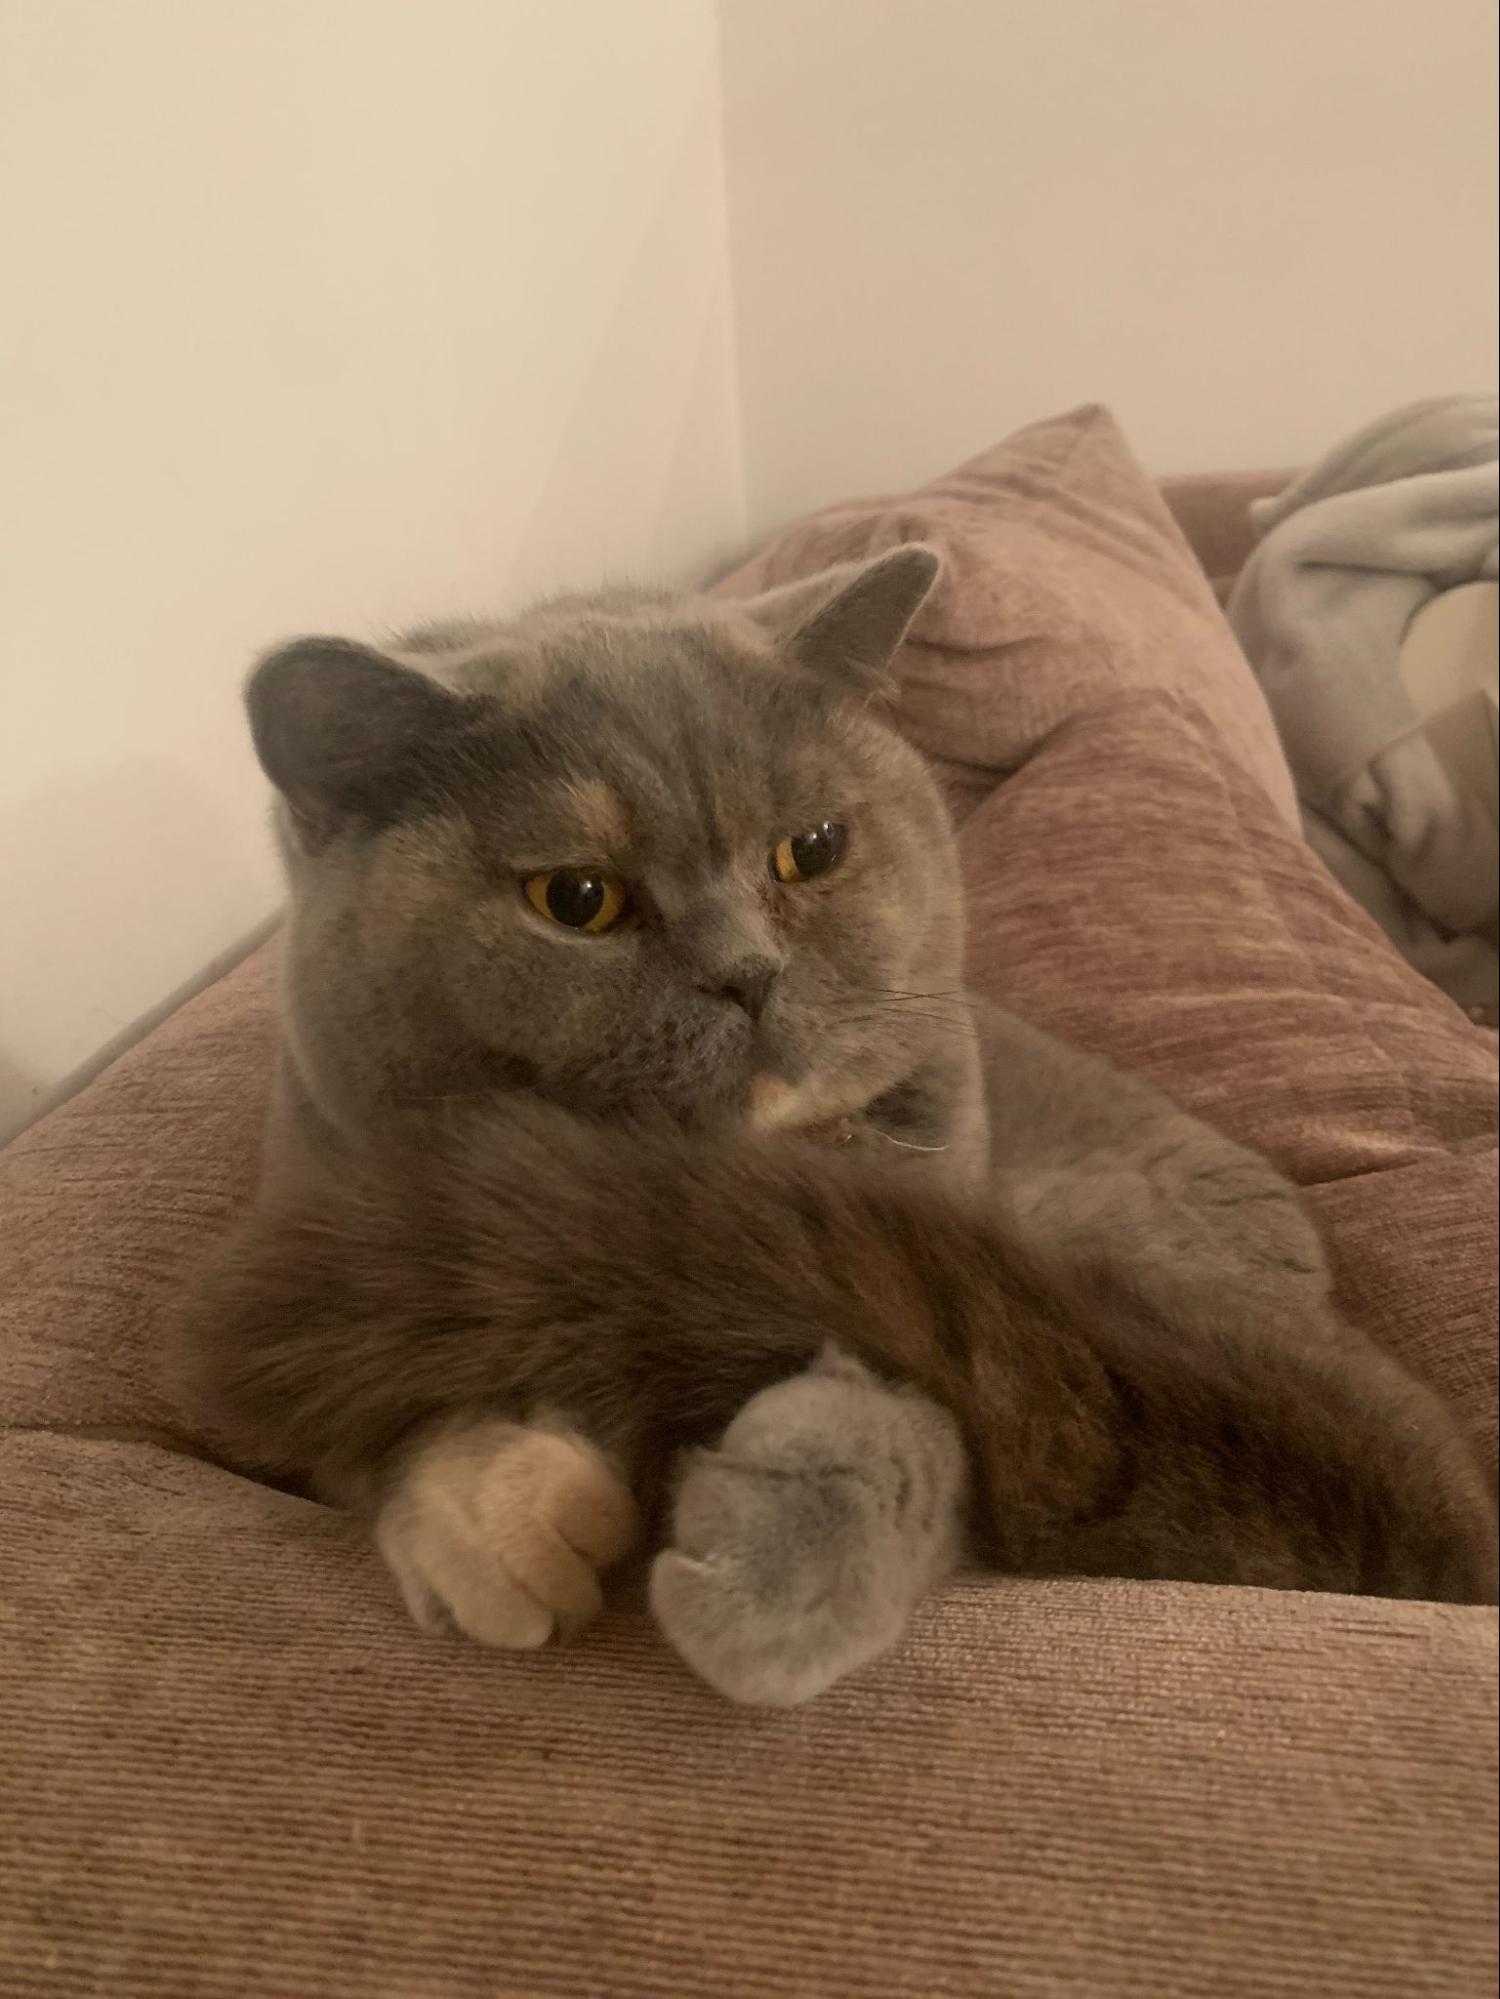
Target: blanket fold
x,y
1347,557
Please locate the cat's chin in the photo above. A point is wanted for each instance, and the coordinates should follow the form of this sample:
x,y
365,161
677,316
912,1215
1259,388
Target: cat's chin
x,y
775,1104
816,1106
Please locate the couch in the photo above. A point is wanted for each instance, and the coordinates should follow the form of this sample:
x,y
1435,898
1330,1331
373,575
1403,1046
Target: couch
x,y
230,1767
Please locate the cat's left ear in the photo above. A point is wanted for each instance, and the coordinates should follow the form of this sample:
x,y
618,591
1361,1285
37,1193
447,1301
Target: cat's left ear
x,y
849,621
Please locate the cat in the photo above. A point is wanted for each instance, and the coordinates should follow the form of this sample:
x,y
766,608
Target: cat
x,y
640,1176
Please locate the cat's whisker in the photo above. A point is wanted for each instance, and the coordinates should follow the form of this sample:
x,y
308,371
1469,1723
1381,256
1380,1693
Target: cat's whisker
x,y
902,1002
946,1023
901,993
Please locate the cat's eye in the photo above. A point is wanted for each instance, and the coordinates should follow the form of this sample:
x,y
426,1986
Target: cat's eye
x,y
803,856
578,898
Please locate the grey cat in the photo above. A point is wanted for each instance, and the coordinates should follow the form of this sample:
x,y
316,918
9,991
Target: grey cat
x,y
639,1167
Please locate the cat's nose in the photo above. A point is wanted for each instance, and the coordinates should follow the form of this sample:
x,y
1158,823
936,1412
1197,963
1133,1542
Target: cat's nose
x,y
748,984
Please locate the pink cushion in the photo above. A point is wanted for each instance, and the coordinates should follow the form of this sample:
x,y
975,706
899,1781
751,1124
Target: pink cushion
x,y
1066,581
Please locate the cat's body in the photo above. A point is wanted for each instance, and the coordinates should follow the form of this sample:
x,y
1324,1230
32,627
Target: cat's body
x,y
702,1214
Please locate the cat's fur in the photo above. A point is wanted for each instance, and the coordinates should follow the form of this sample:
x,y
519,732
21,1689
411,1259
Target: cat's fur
x,y
676,739
547,1243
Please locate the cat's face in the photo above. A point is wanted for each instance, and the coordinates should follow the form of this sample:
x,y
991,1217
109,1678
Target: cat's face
x,y
634,853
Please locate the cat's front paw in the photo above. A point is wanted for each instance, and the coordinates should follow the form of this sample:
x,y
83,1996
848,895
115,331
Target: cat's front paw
x,y
802,1544
502,1530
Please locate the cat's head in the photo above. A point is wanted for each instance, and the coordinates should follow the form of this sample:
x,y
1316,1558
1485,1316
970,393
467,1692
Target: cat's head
x,y
632,851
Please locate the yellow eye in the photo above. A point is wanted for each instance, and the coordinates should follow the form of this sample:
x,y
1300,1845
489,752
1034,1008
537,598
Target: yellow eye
x,y
578,898
805,855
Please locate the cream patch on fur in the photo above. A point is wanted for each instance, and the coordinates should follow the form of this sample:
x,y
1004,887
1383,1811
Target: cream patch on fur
x,y
773,1101
503,1529
603,817
777,1105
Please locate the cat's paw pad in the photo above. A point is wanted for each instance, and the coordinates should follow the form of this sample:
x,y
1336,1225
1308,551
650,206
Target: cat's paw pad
x,y
801,1545
503,1530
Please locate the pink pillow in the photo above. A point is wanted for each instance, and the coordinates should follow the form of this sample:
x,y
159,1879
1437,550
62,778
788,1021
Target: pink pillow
x,y
1066,581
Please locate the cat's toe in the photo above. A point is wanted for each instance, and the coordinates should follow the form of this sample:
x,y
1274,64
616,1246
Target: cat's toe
x,y
754,1649
800,1547
503,1531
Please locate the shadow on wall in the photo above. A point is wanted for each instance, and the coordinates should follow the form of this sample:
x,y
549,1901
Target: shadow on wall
x,y
71,900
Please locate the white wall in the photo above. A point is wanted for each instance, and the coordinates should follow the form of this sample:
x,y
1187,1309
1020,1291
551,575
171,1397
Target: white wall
x,y
319,313
331,313
1249,225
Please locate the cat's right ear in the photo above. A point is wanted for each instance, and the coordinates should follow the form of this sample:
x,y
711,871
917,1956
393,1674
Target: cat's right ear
x,y
343,732
849,621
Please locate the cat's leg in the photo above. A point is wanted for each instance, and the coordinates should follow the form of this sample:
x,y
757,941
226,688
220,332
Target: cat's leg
x,y
1192,1223
800,1546
502,1529
1086,1160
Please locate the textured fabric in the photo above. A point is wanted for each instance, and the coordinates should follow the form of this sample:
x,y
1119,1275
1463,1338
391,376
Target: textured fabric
x,y
228,1767
1349,554
1066,581
104,1204
241,1776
